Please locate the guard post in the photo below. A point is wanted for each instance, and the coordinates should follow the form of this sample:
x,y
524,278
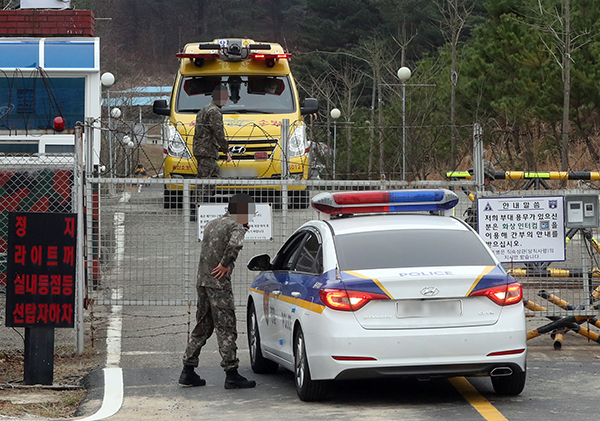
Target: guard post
x,y
40,289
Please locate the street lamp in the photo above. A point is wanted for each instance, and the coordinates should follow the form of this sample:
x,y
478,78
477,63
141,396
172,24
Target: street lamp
x,y
108,79
404,74
335,114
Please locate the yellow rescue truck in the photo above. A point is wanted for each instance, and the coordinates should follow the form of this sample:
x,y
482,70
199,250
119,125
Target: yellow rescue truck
x,y
262,95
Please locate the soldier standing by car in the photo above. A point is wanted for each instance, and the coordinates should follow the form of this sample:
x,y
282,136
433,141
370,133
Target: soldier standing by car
x,y
222,241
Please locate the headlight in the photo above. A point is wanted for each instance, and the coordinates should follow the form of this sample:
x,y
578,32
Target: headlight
x,y
176,146
297,144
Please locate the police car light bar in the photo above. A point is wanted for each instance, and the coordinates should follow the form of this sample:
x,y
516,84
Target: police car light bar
x,y
382,201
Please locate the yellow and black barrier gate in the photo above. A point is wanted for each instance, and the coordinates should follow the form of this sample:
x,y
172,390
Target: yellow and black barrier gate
x,y
558,287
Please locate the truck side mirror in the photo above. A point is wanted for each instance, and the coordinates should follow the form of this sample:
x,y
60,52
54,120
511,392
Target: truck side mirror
x,y
161,107
311,106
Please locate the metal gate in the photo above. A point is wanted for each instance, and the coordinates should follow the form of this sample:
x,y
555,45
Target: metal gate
x,y
143,249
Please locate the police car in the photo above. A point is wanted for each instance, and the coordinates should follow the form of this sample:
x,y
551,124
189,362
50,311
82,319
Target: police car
x,y
384,290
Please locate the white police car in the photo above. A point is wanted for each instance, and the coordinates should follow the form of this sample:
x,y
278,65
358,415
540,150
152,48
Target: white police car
x,y
388,294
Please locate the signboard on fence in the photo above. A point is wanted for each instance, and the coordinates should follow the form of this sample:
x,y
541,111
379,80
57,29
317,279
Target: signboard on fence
x,y
261,225
40,288
523,229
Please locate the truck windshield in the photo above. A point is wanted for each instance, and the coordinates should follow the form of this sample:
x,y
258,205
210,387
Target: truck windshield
x,y
247,94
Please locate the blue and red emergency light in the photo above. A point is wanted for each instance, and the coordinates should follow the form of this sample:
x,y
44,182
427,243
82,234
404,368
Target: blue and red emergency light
x,y
383,201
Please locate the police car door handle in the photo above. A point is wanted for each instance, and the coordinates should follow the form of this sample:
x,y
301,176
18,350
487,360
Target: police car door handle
x,y
296,294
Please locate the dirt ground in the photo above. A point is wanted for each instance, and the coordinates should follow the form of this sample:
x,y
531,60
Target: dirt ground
x,y
63,397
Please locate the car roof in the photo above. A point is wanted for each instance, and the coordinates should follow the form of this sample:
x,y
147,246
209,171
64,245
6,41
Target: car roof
x,y
367,223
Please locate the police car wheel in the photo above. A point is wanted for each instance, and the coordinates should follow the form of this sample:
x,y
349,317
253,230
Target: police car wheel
x,y
509,385
308,390
259,364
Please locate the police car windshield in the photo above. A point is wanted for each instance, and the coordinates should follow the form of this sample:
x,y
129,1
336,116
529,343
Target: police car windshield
x,y
247,94
410,248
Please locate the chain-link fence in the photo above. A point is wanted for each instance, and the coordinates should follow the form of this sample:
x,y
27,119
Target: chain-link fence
x,y
145,239
34,184
563,288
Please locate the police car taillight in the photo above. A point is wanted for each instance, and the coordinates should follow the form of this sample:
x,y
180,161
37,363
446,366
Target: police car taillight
x,y
348,300
380,201
503,295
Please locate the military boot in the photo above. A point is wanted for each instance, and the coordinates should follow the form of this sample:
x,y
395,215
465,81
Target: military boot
x,y
235,381
189,377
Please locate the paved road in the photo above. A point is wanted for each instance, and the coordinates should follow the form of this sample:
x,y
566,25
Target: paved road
x,y
561,384
151,340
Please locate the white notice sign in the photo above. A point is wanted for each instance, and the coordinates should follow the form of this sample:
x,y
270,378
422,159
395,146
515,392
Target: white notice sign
x,y
260,225
523,229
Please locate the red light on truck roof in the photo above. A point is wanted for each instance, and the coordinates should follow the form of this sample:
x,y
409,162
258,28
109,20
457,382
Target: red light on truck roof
x,y
263,56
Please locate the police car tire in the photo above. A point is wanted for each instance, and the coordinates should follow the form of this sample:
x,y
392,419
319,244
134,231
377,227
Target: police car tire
x,y
308,390
259,364
509,385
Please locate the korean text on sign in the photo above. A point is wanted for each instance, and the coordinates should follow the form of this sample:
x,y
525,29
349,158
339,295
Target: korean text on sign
x,y
40,289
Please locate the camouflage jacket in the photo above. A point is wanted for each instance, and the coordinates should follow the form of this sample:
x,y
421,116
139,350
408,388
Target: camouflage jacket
x,y
209,135
222,241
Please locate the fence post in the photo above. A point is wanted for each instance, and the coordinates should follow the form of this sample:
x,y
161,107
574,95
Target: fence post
x,y
186,236
285,171
78,178
478,156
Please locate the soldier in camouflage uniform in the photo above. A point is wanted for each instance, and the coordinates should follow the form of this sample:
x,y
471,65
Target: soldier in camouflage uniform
x,y
223,239
209,135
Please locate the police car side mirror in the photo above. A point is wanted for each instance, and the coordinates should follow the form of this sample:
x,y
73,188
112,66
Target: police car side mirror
x,y
161,107
260,262
311,106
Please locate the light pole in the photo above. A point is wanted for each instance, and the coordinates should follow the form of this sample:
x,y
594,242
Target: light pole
x,y
335,114
404,74
108,79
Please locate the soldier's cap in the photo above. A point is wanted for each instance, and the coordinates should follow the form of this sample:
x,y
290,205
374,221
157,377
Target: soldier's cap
x,y
241,203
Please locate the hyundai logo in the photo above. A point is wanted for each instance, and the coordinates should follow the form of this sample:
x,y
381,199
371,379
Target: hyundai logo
x,y
237,149
430,291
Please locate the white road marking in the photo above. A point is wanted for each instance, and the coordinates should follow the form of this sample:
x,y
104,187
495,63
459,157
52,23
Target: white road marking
x,y
113,374
113,395
119,220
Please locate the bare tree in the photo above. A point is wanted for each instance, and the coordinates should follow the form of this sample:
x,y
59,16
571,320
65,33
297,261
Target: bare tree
x,y
563,42
454,18
350,78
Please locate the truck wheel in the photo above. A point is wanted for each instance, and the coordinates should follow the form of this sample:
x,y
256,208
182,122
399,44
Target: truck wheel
x,y
299,199
172,199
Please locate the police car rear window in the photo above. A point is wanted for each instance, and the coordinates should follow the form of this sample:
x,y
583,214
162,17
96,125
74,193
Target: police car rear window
x,y
410,248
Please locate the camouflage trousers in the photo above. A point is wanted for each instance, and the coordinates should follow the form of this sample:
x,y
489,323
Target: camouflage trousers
x,y
215,312
207,167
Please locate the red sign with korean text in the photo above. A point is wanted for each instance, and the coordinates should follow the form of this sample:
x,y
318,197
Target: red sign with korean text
x,y
40,289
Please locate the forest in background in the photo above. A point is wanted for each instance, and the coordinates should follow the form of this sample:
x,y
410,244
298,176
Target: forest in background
x,y
525,70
